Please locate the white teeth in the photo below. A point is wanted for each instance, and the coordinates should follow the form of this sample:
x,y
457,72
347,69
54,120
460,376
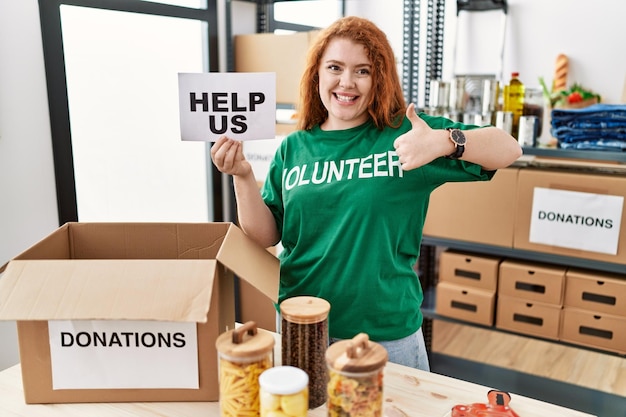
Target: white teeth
x,y
345,98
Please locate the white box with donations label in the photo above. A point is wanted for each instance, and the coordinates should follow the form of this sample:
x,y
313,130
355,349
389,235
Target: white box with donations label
x,y
572,214
128,312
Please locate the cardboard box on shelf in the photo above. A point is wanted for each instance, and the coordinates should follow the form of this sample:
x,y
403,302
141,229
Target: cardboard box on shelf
x,y
481,212
283,54
574,214
169,277
465,303
469,270
532,281
596,291
593,329
528,317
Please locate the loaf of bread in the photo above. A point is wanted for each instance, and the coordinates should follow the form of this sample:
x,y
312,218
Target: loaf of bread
x,y
560,73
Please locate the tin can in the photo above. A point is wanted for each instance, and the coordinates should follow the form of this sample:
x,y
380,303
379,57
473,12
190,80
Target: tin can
x,y
528,129
504,121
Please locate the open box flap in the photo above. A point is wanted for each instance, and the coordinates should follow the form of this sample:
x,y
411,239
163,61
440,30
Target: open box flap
x,y
156,289
250,262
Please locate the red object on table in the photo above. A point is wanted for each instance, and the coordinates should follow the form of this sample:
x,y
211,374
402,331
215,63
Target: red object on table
x,y
498,406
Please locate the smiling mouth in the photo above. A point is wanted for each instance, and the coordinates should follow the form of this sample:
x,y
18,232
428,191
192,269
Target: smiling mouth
x,y
344,98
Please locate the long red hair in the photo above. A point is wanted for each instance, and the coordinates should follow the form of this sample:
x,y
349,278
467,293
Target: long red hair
x,y
387,103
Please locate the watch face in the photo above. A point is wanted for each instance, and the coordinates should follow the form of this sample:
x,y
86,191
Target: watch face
x,y
458,137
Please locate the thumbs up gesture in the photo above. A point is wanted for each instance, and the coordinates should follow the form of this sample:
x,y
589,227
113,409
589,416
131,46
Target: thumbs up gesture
x,y
421,144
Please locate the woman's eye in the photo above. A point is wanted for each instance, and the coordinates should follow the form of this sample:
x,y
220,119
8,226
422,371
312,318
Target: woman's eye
x,y
334,68
363,71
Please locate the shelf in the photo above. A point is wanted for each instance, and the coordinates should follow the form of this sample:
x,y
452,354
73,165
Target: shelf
x,y
619,157
526,255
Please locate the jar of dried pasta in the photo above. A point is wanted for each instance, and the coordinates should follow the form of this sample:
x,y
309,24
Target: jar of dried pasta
x,y
355,386
244,353
304,340
284,392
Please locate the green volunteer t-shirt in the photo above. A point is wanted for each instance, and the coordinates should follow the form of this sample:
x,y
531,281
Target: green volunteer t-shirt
x,y
351,224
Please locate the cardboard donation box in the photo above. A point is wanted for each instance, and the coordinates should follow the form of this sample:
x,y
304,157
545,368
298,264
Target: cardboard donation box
x,y
128,312
492,208
571,214
283,54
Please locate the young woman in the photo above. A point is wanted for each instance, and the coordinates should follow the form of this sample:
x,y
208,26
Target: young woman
x,y
347,193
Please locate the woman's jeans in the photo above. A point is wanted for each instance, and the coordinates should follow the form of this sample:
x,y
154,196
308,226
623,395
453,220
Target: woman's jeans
x,y
409,351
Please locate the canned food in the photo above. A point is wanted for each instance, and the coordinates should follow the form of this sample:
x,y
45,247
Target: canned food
x,y
504,121
528,129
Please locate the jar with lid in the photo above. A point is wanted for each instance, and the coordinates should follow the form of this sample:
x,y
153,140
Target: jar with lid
x,y
244,353
304,331
284,392
355,387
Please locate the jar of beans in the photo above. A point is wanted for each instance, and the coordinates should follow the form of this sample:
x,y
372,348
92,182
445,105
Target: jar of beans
x,y
244,353
304,330
355,385
284,392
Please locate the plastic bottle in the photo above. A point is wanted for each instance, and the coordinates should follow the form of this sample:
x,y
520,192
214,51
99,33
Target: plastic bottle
x,y
514,100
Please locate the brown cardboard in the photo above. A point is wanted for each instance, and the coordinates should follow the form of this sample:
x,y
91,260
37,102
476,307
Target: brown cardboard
x,y
529,179
283,54
596,291
482,212
597,330
465,303
532,281
528,317
469,270
185,269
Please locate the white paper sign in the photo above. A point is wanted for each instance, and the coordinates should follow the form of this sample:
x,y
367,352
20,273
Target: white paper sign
x,y
239,105
108,354
576,220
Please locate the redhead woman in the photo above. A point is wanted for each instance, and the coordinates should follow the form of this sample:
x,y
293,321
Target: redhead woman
x,y
347,192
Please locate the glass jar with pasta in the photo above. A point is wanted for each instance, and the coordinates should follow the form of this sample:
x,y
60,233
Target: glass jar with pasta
x,y
244,353
355,386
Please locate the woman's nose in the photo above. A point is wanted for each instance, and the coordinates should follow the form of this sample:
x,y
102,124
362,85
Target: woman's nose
x,y
347,80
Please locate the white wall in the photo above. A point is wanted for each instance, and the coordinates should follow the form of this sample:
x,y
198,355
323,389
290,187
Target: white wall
x,y
28,210
590,33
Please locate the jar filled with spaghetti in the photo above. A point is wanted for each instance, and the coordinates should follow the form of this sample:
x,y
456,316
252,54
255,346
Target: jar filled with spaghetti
x,y
244,353
284,392
304,331
355,386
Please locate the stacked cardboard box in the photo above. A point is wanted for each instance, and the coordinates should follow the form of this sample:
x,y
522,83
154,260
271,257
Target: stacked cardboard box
x,y
467,287
595,310
530,298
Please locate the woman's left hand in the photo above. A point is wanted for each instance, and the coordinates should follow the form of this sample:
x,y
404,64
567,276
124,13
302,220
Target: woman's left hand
x,y
421,144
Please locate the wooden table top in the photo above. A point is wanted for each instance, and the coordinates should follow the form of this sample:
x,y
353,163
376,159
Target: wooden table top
x,y
408,392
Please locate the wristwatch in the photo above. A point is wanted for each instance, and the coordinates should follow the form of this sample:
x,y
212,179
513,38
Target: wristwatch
x,y
458,138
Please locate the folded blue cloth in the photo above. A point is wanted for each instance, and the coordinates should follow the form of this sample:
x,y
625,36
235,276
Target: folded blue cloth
x,y
597,127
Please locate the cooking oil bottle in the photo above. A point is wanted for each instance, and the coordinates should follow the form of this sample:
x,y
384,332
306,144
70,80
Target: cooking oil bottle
x,y
514,100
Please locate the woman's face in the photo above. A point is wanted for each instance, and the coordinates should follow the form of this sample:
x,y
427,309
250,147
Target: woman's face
x,y
345,84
